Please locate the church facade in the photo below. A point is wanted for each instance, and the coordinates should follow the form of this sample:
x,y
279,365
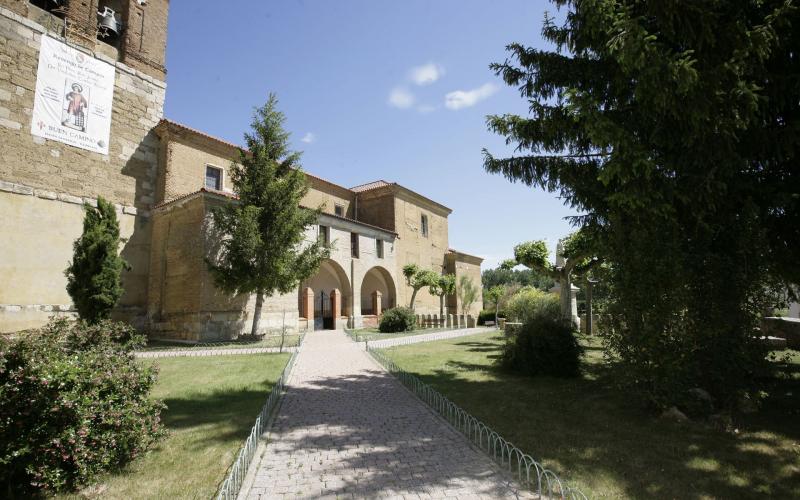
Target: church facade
x,y
81,116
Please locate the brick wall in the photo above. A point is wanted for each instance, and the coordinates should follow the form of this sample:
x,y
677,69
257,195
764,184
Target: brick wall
x,y
44,182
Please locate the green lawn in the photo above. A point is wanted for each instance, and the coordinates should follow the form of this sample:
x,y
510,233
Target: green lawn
x,y
291,340
362,334
212,402
601,441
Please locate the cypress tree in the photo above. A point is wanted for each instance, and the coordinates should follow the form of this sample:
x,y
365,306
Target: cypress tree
x,y
94,278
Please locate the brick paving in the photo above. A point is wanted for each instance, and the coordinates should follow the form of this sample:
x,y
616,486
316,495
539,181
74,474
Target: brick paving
x,y
348,429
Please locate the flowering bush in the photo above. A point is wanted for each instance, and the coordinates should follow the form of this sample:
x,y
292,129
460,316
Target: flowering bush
x,y
73,404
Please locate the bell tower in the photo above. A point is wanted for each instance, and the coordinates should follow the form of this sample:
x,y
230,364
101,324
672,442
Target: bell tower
x,y
133,32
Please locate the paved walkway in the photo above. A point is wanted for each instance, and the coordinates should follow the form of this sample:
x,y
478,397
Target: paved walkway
x,y
348,429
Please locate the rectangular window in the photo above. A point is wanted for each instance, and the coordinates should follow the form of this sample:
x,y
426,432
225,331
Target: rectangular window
x,y
424,225
324,234
379,248
354,245
213,178
339,210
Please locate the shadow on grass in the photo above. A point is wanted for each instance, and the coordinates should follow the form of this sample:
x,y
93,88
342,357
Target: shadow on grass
x,y
600,440
236,409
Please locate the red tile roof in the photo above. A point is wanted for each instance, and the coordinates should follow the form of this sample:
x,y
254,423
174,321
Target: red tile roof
x,y
370,186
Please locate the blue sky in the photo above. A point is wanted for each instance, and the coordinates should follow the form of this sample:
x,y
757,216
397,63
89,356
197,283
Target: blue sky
x,y
372,90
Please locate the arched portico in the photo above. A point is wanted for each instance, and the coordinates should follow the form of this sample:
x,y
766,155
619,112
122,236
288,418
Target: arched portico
x,y
324,299
378,291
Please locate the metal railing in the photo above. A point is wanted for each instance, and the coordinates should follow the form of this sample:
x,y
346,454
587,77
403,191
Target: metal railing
x,y
233,482
530,473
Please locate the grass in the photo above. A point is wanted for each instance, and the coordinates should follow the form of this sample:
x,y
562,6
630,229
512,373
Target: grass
x,y
291,340
600,440
362,334
212,402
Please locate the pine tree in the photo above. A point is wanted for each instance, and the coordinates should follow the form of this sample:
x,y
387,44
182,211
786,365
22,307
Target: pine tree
x,y
94,276
674,127
263,249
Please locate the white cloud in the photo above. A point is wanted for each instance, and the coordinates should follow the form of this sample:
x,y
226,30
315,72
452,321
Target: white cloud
x,y
426,74
401,98
459,99
309,138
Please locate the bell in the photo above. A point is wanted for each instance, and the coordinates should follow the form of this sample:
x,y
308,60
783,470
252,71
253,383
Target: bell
x,y
107,22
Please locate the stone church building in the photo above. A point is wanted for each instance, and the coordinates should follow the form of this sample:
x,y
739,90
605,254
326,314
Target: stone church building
x,y
64,144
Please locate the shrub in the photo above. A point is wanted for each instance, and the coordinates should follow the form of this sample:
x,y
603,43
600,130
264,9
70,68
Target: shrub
x,y
73,404
487,315
398,319
544,345
94,276
530,302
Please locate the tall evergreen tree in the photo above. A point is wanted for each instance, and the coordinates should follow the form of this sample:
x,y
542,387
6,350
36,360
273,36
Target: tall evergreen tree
x,y
94,277
263,249
675,126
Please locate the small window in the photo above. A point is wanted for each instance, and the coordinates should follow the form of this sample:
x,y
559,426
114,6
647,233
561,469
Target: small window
x,y
424,225
324,234
339,210
213,178
354,245
379,248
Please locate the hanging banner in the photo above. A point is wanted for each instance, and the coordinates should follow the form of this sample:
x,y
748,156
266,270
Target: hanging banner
x,y
74,94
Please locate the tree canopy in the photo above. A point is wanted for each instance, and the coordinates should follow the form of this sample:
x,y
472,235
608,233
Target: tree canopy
x,y
674,128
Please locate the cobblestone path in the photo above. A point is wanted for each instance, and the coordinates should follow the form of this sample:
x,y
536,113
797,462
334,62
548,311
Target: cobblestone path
x,y
348,429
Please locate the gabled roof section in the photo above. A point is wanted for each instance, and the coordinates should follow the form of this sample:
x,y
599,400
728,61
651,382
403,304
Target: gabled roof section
x,y
167,124
371,185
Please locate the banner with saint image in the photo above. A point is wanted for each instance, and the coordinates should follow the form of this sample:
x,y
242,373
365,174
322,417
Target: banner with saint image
x,y
74,95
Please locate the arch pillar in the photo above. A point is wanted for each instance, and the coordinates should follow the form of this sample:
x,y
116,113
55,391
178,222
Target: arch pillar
x,y
336,305
377,308
307,304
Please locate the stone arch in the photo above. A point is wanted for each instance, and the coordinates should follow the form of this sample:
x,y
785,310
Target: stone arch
x,y
330,293
377,279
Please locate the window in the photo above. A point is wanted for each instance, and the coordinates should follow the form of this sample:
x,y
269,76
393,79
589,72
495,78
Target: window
x,y
354,245
324,234
424,225
339,210
213,178
379,248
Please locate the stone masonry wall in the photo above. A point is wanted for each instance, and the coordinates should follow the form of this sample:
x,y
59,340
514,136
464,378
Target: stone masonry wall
x,y
427,252
46,180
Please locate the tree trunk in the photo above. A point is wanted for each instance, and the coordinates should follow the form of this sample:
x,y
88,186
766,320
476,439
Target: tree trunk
x,y
496,313
413,297
257,312
441,307
566,298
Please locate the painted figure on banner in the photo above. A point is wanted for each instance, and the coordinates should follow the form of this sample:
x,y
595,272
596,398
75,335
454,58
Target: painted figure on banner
x,y
74,115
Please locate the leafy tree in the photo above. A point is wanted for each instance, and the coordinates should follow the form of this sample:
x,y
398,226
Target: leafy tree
x,y
495,295
575,256
417,279
522,277
674,128
467,293
263,249
444,285
94,276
